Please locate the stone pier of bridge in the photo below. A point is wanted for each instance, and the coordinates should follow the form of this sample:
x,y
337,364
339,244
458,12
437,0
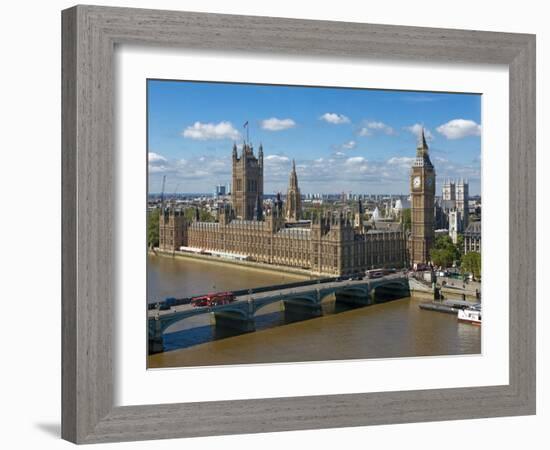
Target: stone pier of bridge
x,y
303,302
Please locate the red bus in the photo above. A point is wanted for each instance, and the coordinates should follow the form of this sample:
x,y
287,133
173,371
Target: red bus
x,y
214,299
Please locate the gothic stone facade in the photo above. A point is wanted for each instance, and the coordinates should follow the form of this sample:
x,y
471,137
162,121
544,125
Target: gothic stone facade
x,y
247,189
330,245
172,229
293,205
472,238
456,198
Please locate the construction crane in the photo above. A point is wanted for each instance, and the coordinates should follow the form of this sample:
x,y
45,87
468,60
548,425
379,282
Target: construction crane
x,y
162,193
174,195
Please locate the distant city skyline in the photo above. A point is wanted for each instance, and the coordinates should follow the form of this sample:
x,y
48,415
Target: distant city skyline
x,y
343,140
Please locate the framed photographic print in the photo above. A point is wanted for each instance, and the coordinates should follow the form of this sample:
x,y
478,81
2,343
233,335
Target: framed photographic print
x,y
291,223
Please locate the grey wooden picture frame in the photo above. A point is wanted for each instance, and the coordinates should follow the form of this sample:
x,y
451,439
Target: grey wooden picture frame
x,y
90,34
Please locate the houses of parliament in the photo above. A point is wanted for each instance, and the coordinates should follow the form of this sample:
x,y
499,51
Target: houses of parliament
x,y
335,242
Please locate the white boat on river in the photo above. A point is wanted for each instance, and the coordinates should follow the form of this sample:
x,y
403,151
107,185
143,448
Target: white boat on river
x,y
471,315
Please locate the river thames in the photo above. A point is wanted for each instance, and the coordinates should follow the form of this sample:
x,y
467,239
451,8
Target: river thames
x,y
388,330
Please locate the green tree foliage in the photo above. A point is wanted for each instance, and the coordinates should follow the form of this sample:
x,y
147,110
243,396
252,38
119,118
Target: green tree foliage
x,y
471,262
407,219
441,257
153,228
460,244
312,211
444,253
189,214
204,215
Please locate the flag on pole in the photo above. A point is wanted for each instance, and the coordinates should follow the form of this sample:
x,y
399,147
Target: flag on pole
x,y
246,126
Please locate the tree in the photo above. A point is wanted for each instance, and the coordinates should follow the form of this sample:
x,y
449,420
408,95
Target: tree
x,y
444,253
471,262
460,244
442,257
206,216
407,221
153,228
310,212
189,214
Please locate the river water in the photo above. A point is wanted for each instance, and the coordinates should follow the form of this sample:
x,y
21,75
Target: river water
x,y
393,329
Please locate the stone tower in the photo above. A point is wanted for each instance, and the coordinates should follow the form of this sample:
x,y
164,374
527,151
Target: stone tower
x,y
172,229
422,199
449,192
359,214
462,198
247,182
293,206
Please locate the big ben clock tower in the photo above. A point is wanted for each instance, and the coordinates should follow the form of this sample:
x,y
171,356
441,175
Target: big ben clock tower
x,y
422,204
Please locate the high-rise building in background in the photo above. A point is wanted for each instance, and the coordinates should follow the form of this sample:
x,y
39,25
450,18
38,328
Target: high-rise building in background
x,y
220,190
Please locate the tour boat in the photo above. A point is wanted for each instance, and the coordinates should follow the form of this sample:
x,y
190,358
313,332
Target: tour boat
x,y
470,315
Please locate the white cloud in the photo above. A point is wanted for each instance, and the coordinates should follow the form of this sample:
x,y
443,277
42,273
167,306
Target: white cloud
x,y
416,129
157,169
157,163
355,160
274,124
334,118
349,145
335,172
369,127
276,159
155,158
208,131
401,161
459,128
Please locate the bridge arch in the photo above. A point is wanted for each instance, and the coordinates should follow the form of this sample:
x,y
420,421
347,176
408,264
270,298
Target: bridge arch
x,y
358,290
162,324
390,290
264,304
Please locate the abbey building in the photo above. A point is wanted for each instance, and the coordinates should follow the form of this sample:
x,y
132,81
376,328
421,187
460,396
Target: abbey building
x,y
334,242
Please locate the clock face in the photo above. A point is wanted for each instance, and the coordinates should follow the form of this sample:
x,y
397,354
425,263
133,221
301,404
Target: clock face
x,y
416,182
429,181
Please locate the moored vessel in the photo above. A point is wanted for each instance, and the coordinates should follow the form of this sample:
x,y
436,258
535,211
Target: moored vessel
x,y
470,315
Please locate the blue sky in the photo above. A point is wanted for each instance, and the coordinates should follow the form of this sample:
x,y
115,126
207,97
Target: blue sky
x,y
357,140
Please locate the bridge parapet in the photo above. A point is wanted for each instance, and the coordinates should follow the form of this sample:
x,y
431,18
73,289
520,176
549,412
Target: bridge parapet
x,y
302,299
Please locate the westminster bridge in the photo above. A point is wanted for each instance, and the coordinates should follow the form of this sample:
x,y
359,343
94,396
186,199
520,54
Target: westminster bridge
x,y
303,300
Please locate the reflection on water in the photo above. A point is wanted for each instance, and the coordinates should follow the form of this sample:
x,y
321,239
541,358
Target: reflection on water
x,y
200,329
393,329
185,277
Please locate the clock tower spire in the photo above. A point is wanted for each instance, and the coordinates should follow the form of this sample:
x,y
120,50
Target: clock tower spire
x,y
422,204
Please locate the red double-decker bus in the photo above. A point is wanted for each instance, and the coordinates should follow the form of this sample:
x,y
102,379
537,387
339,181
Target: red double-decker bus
x,y
214,299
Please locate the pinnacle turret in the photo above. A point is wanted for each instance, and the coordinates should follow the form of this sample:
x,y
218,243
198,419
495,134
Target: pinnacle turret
x,y
293,207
